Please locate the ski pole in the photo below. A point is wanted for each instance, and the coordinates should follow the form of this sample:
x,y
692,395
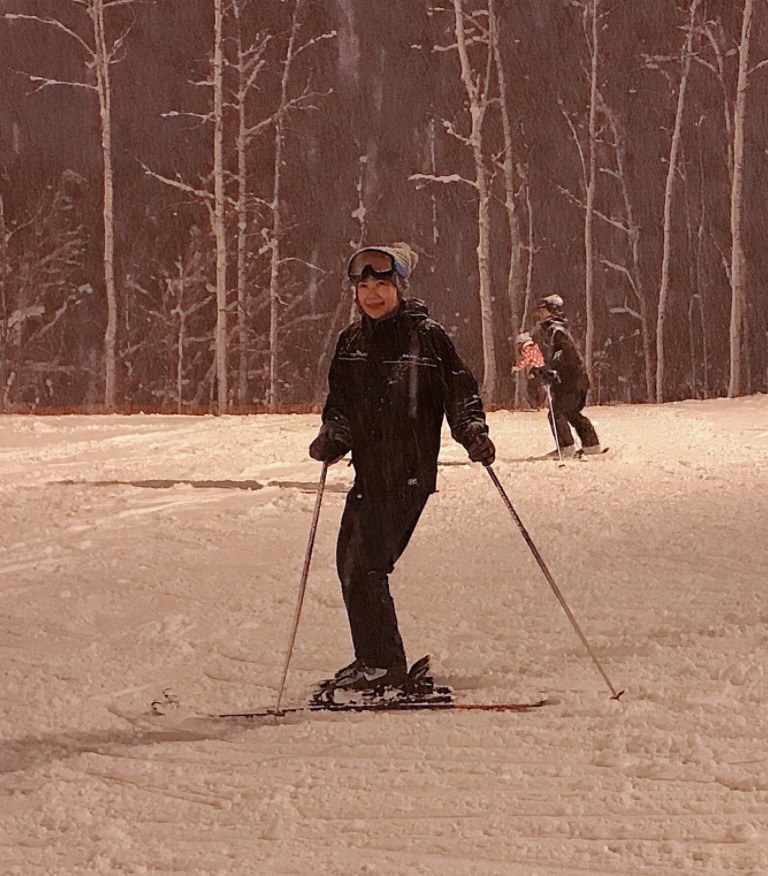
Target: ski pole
x,y
551,580
548,390
302,584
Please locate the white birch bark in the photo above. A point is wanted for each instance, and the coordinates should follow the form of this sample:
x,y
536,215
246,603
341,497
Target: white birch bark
x,y
738,258
248,65
277,219
632,229
4,271
241,211
530,249
515,285
478,103
219,210
104,91
589,214
668,203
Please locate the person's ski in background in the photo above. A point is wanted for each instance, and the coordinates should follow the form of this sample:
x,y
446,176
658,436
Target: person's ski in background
x,y
394,375
529,358
565,373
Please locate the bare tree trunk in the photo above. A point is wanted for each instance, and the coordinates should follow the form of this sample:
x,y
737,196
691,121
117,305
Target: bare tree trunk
x,y
530,249
218,215
433,170
104,91
360,214
668,198
692,345
589,242
277,219
477,107
249,63
242,244
514,272
738,258
242,217
633,230
717,42
180,341
3,299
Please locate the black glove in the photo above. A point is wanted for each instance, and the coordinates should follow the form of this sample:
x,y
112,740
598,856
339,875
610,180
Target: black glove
x,y
482,449
548,375
332,442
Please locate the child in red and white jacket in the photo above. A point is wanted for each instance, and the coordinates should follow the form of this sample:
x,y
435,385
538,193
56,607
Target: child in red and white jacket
x,y
530,357
530,354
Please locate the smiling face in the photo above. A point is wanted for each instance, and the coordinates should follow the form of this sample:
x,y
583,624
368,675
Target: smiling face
x,y
376,296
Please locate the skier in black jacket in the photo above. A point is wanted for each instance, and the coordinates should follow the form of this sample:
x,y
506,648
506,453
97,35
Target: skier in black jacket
x,y
394,375
568,380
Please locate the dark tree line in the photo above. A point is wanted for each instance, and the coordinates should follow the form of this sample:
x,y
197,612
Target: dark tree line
x,y
181,182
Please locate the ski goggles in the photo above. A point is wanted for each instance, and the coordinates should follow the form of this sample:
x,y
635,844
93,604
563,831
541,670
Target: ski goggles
x,y
371,263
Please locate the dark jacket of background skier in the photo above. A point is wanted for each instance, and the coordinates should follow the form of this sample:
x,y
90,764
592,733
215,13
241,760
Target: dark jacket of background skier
x,y
562,355
390,383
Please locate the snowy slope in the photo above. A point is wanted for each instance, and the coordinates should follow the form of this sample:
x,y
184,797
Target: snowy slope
x,y
146,553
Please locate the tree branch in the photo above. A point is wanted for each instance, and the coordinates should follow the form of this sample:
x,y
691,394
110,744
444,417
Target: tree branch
x,y
442,178
50,22
45,82
324,36
179,184
609,219
621,269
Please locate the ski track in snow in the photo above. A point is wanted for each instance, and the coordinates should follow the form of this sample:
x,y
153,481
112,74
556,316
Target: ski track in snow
x,y
149,553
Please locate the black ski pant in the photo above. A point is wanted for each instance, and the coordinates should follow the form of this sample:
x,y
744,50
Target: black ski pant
x,y
373,535
567,407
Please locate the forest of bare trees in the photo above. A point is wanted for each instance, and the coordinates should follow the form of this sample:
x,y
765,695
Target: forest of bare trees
x,y
182,181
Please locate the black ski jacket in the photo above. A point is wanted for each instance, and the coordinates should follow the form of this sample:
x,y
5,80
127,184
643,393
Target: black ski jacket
x,y
562,355
390,383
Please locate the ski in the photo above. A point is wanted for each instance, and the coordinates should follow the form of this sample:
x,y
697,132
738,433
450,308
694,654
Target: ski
x,y
418,693
581,455
395,705
547,457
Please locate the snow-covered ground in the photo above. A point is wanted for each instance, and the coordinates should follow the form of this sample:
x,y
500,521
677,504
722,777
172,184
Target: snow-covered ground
x,y
145,553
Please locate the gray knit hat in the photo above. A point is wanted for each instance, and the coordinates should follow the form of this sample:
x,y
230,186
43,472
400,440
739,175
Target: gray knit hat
x,y
404,258
553,303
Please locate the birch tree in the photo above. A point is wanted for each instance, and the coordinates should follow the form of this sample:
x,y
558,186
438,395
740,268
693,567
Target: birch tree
x,y
224,209
629,225
219,207
277,215
738,258
530,249
99,53
669,191
516,286
588,164
286,105
249,63
215,201
476,83
591,28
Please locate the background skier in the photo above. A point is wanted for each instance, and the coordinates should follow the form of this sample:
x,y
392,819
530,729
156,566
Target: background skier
x,y
530,359
394,375
567,377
